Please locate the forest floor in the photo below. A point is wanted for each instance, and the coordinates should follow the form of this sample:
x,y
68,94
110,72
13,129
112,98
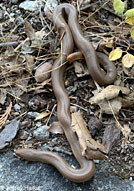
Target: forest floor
x,y
28,105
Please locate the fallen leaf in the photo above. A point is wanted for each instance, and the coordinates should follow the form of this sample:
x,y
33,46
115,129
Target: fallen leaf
x,y
30,32
110,136
129,13
119,6
109,100
109,43
110,107
56,128
130,21
128,60
10,62
89,147
115,54
35,37
94,125
42,115
8,133
128,101
110,92
80,70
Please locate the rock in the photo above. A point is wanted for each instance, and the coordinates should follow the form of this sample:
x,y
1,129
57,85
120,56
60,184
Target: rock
x,y
23,135
33,114
50,5
29,5
1,15
20,20
17,107
16,174
36,103
42,73
41,133
14,1
38,124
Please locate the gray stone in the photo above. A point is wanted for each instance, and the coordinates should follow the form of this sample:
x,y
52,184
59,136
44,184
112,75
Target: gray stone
x,y
29,5
17,107
14,1
50,5
20,20
33,114
15,174
41,133
38,124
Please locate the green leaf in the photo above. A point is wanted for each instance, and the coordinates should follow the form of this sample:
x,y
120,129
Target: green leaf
x,y
129,13
118,6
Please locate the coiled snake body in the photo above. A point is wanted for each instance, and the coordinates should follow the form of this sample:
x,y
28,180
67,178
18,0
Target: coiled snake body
x,y
70,32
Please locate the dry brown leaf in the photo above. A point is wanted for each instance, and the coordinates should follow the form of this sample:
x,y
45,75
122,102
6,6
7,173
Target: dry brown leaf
x,y
56,128
10,62
5,116
80,70
35,37
42,115
109,100
89,147
111,106
109,93
128,101
111,136
30,32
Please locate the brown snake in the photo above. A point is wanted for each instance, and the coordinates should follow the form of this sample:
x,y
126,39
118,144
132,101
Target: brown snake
x,y
66,31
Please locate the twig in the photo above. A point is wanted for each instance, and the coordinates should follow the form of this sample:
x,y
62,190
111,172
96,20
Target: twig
x,y
79,107
14,44
89,5
51,114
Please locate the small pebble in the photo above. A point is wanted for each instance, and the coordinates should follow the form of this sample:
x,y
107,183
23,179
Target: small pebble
x,y
17,107
29,5
38,124
1,15
97,161
42,73
33,114
131,178
24,135
12,14
14,1
50,5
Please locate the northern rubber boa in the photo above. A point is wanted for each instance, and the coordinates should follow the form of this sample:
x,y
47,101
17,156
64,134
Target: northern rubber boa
x,y
87,167
108,66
